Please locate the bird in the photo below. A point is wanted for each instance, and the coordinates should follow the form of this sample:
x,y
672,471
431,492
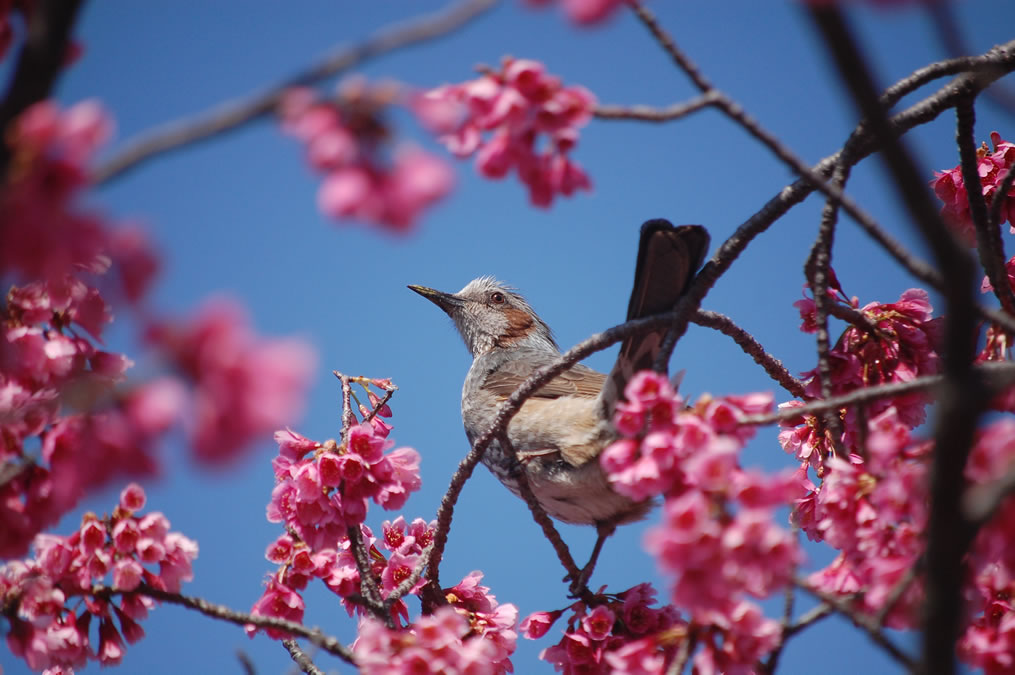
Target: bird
x,y
557,435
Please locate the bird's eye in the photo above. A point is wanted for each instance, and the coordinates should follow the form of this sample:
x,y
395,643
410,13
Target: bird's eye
x,y
497,298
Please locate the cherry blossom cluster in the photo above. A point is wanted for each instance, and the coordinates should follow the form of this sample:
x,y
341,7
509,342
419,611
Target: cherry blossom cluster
x,y
622,634
718,535
989,639
903,348
242,386
58,389
346,141
49,601
521,106
473,633
323,488
584,12
992,167
873,508
337,568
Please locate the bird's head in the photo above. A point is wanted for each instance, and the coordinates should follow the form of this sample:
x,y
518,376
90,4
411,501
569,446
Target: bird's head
x,y
490,315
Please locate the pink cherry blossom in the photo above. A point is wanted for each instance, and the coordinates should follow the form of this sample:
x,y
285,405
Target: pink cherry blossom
x,y
345,142
992,167
48,621
584,12
243,385
531,120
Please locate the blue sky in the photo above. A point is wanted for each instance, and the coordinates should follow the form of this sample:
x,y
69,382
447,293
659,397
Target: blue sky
x,y
237,215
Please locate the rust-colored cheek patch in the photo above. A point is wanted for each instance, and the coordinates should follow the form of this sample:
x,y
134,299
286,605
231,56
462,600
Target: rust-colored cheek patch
x,y
519,324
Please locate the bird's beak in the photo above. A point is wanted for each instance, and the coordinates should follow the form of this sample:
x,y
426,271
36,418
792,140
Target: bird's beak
x,y
446,301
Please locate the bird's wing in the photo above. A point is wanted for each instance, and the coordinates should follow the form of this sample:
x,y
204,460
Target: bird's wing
x,y
579,381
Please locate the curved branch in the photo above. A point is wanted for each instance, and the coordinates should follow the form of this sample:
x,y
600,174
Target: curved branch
x,y
650,114
314,635
232,115
752,348
994,376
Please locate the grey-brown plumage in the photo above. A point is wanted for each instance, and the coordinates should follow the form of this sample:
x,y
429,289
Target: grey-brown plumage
x,y
560,431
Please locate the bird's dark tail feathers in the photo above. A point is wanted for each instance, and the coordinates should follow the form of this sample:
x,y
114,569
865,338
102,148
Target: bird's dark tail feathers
x,y
668,258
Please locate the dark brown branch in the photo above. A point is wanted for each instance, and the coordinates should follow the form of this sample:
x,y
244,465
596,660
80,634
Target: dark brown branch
x,y
313,635
40,62
649,114
543,520
752,348
818,270
369,586
988,232
301,658
852,316
232,115
992,376
962,398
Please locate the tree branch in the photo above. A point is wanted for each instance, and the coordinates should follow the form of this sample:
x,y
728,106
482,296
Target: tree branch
x,y
235,114
962,398
313,635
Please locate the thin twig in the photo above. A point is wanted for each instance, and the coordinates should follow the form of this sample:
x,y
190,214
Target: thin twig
x,y
313,635
789,599
818,270
232,115
646,113
896,593
996,376
752,348
369,586
301,658
812,616
860,620
543,520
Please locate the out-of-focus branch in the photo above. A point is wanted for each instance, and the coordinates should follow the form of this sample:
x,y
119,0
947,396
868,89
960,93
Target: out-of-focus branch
x,y
649,114
947,26
42,57
962,397
232,115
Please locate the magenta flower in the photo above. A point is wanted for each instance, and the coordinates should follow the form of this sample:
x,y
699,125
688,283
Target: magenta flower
x,y
49,628
532,122
992,167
